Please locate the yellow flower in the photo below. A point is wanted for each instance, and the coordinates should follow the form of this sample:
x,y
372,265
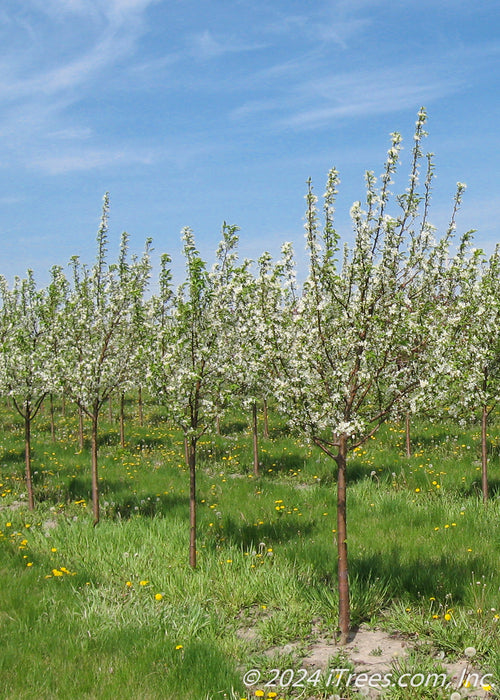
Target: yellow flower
x,y
179,646
53,549
143,583
129,584
158,596
447,617
417,490
259,693
56,572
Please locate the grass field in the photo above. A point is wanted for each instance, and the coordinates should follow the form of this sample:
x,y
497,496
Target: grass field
x,y
115,611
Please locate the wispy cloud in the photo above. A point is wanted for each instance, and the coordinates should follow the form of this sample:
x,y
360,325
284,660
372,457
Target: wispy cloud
x,y
39,89
206,45
89,159
364,94
310,102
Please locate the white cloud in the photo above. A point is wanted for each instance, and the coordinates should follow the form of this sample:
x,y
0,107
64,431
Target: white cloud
x,y
312,102
364,94
40,86
90,159
72,133
205,45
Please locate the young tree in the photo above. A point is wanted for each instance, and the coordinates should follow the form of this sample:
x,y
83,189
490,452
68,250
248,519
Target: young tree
x,y
187,353
99,326
472,375
345,348
256,310
26,360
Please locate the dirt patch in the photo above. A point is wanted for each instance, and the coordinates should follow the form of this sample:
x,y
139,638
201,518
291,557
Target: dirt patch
x,y
15,505
374,653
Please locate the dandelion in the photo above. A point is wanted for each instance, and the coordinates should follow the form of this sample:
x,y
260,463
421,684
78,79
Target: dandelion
x,y
129,584
259,693
143,583
470,652
158,596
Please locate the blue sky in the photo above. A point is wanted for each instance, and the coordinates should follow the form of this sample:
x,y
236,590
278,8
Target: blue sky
x,y
192,112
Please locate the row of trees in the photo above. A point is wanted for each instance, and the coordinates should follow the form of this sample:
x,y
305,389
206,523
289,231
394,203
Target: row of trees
x,y
401,321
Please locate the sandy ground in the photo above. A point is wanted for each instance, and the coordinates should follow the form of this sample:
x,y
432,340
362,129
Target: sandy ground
x,y
373,652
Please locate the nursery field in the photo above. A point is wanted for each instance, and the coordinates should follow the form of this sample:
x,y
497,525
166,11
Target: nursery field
x,y
116,611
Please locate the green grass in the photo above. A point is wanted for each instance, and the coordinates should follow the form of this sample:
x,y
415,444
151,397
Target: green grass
x,y
116,611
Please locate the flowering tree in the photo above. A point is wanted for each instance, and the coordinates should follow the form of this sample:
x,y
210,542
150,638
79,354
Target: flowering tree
x,y
472,376
256,305
358,340
99,325
187,352
26,359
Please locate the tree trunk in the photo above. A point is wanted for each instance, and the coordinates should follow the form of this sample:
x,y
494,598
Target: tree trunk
x,y
484,453
95,475
217,426
110,409
266,420
27,456
343,578
407,434
80,428
63,406
122,419
192,501
141,414
52,423
255,437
